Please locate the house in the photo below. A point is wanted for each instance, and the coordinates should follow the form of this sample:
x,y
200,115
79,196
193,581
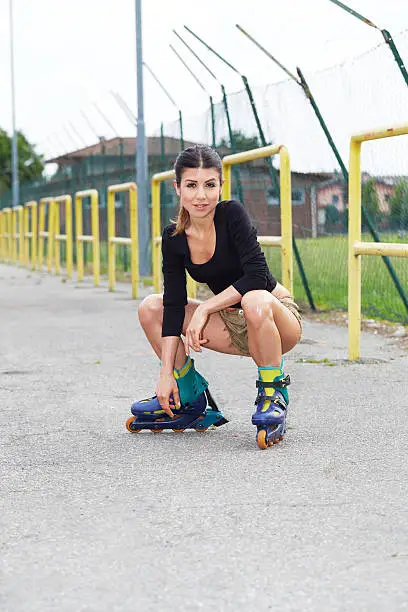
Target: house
x,y
333,193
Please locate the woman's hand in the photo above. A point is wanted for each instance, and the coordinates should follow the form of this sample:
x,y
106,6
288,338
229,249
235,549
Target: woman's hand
x,y
165,387
194,333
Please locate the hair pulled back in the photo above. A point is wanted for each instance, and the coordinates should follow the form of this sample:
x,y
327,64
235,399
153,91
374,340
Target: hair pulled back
x,y
197,156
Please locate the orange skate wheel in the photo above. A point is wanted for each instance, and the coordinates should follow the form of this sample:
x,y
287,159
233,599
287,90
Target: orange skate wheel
x,y
201,430
261,439
178,430
128,424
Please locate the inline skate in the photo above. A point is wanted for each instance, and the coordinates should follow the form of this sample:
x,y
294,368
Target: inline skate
x,y
271,410
199,414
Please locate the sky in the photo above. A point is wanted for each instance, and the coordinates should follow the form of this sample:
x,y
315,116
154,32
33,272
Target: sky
x,y
70,55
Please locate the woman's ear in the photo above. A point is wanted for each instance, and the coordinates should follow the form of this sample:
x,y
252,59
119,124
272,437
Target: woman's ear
x,y
176,187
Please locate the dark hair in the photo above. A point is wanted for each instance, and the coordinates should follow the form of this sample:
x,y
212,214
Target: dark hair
x,y
197,156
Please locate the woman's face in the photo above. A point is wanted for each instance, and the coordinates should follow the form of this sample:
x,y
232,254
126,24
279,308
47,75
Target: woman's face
x,y
199,191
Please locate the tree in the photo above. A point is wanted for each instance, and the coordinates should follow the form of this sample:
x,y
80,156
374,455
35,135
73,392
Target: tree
x,y
30,163
398,204
332,215
242,142
370,199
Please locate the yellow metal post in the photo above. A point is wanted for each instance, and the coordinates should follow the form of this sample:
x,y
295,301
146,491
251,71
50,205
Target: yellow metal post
x,y
111,243
133,241
354,261
93,238
156,233
286,219
2,240
51,233
57,229
157,179
285,199
17,234
227,176
7,231
134,236
30,255
356,247
42,234
67,237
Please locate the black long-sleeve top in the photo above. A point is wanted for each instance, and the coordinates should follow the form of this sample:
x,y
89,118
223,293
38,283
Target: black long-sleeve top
x,y
237,261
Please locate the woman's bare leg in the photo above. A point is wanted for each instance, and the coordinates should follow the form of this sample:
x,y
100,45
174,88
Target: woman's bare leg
x,y
272,329
151,318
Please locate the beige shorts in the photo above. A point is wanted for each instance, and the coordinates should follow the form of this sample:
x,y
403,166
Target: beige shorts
x,y
235,323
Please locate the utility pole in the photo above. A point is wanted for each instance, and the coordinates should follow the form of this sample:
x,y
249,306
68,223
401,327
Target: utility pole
x,y
141,153
14,148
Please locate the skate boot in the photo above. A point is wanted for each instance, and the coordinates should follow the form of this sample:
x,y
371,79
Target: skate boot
x,y
198,409
271,406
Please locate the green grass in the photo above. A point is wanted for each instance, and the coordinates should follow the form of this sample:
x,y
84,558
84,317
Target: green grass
x,y
325,263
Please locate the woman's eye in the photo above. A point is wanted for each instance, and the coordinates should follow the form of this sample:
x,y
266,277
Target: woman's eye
x,y
191,185
211,185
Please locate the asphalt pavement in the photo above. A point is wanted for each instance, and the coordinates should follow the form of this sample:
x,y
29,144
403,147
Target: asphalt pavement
x,y
94,518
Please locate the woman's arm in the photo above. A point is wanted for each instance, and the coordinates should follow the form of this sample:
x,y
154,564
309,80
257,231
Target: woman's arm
x,y
167,385
226,298
174,301
168,354
195,332
175,292
256,274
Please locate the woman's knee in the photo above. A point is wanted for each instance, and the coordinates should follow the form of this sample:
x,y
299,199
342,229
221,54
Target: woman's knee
x,y
257,305
151,308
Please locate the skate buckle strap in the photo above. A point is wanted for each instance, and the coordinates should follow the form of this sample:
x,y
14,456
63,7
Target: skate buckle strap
x,y
276,384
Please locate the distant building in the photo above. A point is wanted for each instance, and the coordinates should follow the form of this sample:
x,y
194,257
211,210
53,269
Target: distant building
x,y
314,194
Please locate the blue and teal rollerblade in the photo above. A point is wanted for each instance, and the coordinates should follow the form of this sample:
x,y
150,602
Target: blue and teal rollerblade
x,y
200,414
271,406
198,409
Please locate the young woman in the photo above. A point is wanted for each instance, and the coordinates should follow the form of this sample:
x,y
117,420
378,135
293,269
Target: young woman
x,y
249,314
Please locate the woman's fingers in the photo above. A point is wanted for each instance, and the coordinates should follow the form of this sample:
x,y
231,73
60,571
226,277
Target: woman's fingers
x,y
165,404
176,396
192,340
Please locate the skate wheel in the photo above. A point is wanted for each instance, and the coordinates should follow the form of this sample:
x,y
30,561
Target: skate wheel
x,y
129,425
178,430
156,430
201,430
261,439
281,437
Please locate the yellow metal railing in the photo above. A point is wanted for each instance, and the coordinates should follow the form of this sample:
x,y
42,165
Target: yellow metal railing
x,y
356,247
67,237
45,234
157,179
30,235
113,240
285,240
92,238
